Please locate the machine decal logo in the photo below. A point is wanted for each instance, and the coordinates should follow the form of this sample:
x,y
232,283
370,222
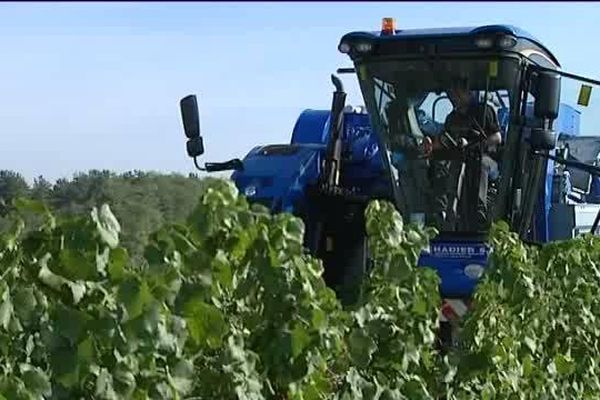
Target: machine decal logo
x,y
453,250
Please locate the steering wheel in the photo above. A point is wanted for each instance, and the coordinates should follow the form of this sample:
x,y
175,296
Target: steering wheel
x,y
480,137
450,146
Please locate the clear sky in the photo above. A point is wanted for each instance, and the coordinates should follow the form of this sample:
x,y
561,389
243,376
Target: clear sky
x,y
96,85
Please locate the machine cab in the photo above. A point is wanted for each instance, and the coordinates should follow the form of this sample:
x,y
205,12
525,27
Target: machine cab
x,y
467,118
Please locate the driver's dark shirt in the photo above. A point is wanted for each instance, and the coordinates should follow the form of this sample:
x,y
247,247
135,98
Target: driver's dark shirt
x,y
460,124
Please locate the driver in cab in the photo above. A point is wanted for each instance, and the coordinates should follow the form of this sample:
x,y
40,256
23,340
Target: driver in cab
x,y
469,122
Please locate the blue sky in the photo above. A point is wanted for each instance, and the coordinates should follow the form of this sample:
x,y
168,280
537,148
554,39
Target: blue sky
x,y
97,85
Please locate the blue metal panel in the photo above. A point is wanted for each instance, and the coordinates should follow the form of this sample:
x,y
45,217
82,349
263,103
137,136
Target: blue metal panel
x,y
363,168
279,179
451,260
360,143
312,126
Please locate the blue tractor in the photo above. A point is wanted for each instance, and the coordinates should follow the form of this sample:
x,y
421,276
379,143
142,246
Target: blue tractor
x,y
339,159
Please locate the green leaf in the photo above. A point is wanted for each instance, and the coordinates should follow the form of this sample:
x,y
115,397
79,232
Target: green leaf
x,y
104,386
85,351
420,307
28,205
300,340
182,376
25,303
102,261
564,365
75,265
37,382
107,225
6,309
10,238
70,323
125,382
46,276
65,366
530,343
78,290
117,264
206,324
221,266
319,319
57,282
36,207
362,347
135,296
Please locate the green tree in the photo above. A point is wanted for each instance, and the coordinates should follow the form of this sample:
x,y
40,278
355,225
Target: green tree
x,y
12,185
41,189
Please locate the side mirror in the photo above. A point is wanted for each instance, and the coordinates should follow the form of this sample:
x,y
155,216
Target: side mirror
x,y
547,95
191,125
190,117
546,89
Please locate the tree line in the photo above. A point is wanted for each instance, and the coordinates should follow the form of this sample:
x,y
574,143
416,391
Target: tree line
x,y
142,201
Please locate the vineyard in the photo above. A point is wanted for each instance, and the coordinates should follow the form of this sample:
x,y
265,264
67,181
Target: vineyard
x,y
230,306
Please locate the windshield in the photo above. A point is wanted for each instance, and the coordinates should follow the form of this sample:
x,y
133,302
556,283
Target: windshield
x,y
443,124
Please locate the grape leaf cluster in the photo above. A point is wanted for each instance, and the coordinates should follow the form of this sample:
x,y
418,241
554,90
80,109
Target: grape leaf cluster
x,y
230,306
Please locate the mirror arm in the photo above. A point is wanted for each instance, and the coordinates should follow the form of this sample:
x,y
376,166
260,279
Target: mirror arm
x,y
198,166
590,169
346,70
568,75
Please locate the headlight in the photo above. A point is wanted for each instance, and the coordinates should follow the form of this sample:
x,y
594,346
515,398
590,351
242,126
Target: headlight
x,y
484,42
250,191
363,47
360,47
344,48
506,41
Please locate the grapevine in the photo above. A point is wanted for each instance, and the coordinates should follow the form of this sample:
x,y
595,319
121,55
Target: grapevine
x,y
229,305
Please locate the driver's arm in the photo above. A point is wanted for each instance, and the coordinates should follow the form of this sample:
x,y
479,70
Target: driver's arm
x,y
494,137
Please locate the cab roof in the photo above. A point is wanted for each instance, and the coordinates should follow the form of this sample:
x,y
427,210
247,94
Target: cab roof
x,y
444,33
